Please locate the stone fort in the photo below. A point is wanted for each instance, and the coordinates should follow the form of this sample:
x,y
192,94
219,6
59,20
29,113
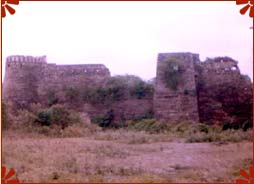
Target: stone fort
x,y
213,90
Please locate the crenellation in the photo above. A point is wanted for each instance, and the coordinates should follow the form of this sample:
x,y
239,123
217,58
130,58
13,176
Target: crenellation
x,y
25,59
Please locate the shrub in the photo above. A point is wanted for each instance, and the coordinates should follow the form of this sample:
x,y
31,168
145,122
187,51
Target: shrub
x,y
117,87
244,125
5,116
57,115
224,136
141,90
247,124
60,115
44,117
104,120
94,94
203,128
149,125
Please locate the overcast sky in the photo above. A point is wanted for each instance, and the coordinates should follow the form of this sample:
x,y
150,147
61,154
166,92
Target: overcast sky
x,y
127,36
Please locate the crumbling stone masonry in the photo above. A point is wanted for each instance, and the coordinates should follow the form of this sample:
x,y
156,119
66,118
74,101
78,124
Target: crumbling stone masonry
x,y
212,91
186,89
179,103
27,79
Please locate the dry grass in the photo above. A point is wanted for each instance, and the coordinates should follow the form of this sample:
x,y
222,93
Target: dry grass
x,y
121,156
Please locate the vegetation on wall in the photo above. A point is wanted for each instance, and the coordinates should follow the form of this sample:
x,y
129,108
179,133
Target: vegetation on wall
x,y
171,74
117,88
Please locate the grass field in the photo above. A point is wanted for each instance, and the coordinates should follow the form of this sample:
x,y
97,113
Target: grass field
x,y
123,155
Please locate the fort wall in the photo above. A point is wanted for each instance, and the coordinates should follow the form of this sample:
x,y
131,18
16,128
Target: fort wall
x,y
28,79
186,89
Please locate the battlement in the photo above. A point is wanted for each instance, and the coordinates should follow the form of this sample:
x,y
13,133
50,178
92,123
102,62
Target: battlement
x,y
26,59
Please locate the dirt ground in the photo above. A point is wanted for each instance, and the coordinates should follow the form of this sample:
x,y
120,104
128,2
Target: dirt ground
x,y
122,156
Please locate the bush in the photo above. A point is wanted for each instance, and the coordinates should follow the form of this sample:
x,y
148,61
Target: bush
x,y
149,125
57,115
60,115
244,125
141,90
203,128
104,120
44,117
116,88
94,94
224,136
247,125
5,116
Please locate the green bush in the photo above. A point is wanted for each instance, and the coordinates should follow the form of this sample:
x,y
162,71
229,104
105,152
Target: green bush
x,y
104,120
44,118
57,115
5,116
116,88
141,90
60,115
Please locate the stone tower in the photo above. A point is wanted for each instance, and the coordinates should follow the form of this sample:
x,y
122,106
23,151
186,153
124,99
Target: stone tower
x,y
22,74
175,97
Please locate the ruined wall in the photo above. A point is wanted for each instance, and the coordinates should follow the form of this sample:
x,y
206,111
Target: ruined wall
x,y
179,102
213,91
224,95
60,78
31,79
186,89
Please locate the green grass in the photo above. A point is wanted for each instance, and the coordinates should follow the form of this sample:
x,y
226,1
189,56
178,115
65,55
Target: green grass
x,y
192,132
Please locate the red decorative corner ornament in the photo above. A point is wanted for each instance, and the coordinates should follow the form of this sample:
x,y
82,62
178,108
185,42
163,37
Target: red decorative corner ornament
x,y
6,6
249,178
6,178
249,5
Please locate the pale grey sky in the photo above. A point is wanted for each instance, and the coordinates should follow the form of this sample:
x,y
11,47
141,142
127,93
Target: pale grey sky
x,y
127,36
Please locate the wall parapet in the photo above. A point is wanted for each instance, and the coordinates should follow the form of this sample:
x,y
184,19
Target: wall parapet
x,y
26,59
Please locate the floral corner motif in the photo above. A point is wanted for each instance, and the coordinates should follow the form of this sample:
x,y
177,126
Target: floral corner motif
x,y
248,6
7,178
248,178
6,6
